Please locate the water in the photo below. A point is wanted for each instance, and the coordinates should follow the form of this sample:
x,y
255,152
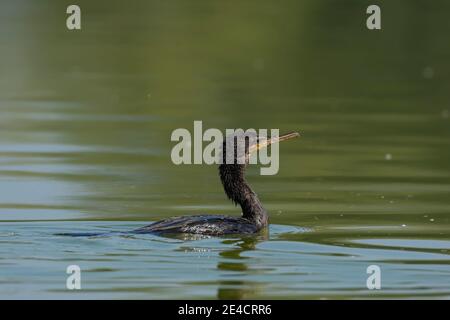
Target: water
x,y
85,124
287,263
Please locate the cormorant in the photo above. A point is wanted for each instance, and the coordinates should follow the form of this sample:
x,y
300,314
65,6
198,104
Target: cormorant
x,y
232,174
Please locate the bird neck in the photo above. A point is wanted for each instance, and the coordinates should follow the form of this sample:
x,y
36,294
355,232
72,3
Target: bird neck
x,y
252,208
240,192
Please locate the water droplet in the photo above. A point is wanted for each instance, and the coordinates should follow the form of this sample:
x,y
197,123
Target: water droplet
x,y
431,219
258,64
388,156
403,225
428,72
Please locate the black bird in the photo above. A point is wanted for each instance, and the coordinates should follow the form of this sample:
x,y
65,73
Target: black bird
x,y
232,174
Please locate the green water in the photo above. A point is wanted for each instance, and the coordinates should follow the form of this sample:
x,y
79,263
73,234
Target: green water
x,y
85,124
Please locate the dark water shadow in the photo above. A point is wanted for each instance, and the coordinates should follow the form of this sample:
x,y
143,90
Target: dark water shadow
x,y
237,289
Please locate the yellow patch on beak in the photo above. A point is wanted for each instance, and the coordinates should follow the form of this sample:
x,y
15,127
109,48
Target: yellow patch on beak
x,y
266,142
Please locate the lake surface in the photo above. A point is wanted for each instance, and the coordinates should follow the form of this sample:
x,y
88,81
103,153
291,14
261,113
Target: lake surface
x,y
85,124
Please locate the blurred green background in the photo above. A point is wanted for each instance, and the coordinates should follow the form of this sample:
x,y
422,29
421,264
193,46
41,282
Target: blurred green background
x,y
86,116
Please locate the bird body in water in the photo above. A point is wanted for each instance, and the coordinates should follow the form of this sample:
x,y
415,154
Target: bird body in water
x,y
232,174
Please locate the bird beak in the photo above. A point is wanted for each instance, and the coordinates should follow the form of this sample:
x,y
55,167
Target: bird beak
x,y
266,142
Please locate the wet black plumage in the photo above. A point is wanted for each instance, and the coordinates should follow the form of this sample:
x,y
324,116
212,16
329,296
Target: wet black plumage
x,y
232,175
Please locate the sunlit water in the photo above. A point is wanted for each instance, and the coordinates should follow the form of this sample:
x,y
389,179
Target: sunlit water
x,y
85,124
